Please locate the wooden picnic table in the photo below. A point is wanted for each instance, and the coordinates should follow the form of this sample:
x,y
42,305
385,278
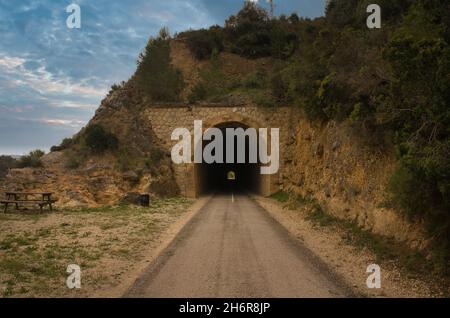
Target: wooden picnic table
x,y
18,198
16,195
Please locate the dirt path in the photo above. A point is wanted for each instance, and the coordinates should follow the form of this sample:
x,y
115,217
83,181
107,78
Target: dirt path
x,y
233,248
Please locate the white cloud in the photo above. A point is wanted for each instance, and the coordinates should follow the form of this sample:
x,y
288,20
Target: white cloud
x,y
9,62
62,122
16,109
69,123
43,81
71,104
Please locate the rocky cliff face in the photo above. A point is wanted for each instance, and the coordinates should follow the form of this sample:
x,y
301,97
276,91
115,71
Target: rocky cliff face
x,y
347,178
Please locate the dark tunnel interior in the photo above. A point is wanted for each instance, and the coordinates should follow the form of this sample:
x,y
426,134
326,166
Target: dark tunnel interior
x,y
215,178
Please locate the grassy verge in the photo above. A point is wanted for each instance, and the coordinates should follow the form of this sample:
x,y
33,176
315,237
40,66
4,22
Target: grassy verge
x,y
35,249
281,196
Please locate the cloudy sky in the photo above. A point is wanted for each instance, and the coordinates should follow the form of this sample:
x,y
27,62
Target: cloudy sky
x,y
52,78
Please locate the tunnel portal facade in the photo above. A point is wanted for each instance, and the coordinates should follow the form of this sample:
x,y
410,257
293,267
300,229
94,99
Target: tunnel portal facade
x,y
195,179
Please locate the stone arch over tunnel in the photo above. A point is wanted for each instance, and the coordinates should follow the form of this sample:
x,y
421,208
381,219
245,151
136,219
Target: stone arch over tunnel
x,y
247,177
166,118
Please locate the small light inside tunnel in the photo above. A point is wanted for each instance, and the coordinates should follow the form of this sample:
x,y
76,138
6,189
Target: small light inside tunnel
x,y
231,176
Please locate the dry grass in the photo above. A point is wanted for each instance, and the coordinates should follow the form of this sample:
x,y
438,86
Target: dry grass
x,y
106,242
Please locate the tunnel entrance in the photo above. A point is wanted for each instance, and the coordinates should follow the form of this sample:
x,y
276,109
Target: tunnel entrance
x,y
234,177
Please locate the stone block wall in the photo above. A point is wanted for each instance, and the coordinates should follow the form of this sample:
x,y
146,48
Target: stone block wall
x,y
165,120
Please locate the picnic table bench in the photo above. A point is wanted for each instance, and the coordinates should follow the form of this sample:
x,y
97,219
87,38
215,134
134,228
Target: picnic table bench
x,y
23,198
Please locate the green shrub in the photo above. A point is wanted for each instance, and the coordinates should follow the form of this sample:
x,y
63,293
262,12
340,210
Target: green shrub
x,y
353,13
333,98
421,189
253,34
212,85
253,45
65,144
262,98
279,88
283,41
248,31
281,196
249,19
97,139
73,161
116,87
198,93
319,216
256,79
156,156
202,43
32,160
155,161
125,161
6,163
157,77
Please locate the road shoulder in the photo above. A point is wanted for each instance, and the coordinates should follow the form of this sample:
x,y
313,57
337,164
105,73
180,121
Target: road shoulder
x,y
346,260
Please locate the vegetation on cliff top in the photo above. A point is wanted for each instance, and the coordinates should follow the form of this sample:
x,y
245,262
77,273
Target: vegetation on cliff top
x,y
158,79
